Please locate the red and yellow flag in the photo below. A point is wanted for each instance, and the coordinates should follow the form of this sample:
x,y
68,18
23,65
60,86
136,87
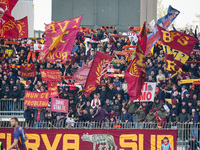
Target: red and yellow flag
x,y
8,27
52,89
60,37
135,74
22,26
100,65
177,47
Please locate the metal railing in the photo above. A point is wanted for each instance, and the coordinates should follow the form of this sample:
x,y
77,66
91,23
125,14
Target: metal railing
x,y
9,108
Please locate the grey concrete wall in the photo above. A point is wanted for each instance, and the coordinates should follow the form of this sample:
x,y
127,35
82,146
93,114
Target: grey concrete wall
x,y
97,13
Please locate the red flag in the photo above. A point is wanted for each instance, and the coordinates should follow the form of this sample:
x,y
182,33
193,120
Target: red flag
x,y
135,74
177,47
52,89
100,65
160,121
8,28
50,75
81,75
28,71
22,26
8,5
60,38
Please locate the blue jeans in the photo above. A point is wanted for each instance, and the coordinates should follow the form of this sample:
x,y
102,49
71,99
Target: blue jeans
x,y
194,131
138,125
134,118
38,125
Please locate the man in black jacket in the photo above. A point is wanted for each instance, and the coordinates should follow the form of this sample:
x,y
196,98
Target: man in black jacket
x,y
15,95
107,106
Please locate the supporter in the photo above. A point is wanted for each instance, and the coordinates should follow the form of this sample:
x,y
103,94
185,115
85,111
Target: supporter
x,y
193,144
39,117
100,114
88,107
131,108
183,92
156,104
112,116
140,117
58,122
125,116
159,76
162,113
70,122
194,118
107,106
117,107
7,93
190,107
15,95
150,117
31,56
86,116
112,93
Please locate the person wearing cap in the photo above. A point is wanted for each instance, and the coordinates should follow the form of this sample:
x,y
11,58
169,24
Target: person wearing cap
x,y
173,119
183,92
184,105
194,118
193,144
3,86
156,104
112,116
140,117
150,117
162,112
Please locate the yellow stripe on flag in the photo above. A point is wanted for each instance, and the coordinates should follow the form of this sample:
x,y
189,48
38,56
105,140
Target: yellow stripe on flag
x,y
169,100
186,81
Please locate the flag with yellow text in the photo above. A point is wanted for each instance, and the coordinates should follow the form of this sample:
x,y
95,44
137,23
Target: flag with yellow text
x,y
59,40
177,47
135,74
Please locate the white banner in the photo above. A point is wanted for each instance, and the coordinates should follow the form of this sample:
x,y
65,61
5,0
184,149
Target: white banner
x,y
148,92
38,47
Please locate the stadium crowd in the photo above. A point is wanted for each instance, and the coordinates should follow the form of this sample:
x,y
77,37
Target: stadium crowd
x,y
110,101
